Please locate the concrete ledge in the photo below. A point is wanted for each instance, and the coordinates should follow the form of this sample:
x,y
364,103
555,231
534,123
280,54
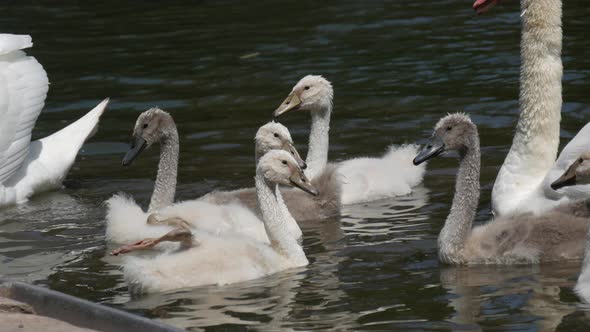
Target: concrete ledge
x,y
68,309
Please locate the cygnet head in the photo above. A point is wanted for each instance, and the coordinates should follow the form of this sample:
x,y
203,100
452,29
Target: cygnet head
x,y
454,132
312,93
279,167
153,125
483,6
275,136
578,173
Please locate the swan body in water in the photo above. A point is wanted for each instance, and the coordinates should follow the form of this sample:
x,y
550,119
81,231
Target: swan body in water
x,y
275,136
127,222
29,167
204,258
555,235
362,179
524,181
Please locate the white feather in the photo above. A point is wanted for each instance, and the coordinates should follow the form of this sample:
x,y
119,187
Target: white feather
x,y
29,167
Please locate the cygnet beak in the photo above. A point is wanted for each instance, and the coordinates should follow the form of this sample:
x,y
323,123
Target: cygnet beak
x,y
299,180
434,148
289,147
568,178
292,103
138,144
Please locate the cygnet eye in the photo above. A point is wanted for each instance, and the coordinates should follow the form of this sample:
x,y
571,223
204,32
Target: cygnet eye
x,y
284,162
449,128
145,125
307,87
276,135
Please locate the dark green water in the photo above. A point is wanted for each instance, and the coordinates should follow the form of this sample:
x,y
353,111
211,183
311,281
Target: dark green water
x,y
221,68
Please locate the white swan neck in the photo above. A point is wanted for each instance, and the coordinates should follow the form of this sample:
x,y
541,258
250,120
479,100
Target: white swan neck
x,y
457,228
292,224
276,224
319,141
165,186
536,140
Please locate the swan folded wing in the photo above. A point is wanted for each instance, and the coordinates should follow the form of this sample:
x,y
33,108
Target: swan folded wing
x,y
10,42
23,88
578,145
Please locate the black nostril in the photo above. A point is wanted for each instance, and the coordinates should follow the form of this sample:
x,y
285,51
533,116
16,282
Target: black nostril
x,y
304,166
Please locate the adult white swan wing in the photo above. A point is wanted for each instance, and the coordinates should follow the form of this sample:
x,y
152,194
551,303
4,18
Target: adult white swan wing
x,y
23,88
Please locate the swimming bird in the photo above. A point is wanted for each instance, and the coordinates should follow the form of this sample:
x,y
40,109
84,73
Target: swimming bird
x,y
127,222
363,179
29,167
555,235
204,258
302,206
524,181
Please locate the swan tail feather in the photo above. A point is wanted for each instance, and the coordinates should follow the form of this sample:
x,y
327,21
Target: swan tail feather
x,y
50,158
394,174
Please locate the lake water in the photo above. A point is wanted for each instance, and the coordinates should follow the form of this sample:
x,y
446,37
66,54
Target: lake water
x,y
221,68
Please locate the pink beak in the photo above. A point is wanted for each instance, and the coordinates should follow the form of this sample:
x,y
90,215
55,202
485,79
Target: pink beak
x,y
482,6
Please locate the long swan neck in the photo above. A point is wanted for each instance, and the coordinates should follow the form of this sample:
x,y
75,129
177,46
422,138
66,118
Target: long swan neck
x,y
319,140
165,187
292,224
536,141
276,223
457,228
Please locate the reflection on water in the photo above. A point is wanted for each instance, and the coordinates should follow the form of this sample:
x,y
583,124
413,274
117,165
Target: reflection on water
x,y
221,68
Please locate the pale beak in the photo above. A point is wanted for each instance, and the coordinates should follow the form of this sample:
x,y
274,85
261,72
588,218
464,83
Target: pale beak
x,y
568,178
137,146
299,180
434,148
289,147
292,103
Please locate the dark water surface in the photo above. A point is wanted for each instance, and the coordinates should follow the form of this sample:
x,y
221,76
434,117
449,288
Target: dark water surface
x,y
221,68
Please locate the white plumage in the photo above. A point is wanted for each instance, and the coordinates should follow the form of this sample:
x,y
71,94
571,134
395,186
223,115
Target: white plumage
x,y
523,182
127,222
29,167
232,256
363,179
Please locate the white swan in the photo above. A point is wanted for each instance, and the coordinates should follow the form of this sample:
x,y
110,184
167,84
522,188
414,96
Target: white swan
x,y
519,239
205,259
363,179
127,222
29,167
523,183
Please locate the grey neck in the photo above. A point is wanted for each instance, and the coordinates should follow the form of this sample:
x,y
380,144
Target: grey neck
x,y
165,186
459,221
319,141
